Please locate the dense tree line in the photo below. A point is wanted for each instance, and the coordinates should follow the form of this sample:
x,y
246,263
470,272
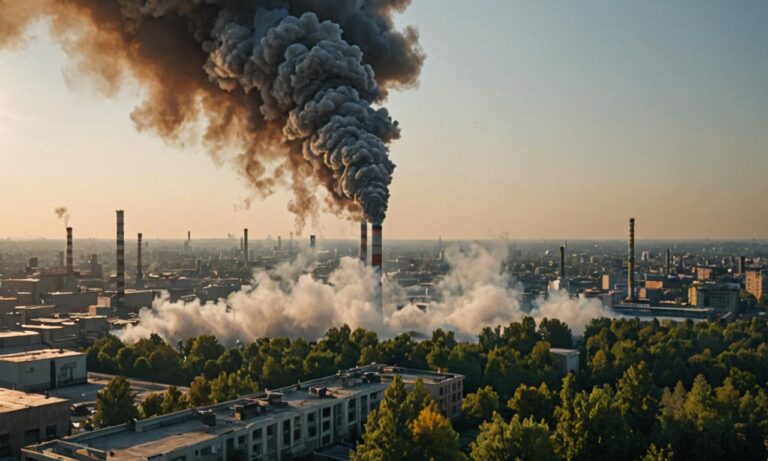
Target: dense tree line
x,y
645,390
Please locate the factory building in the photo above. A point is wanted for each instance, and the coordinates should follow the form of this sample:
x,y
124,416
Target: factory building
x,y
41,370
27,419
283,424
566,360
721,296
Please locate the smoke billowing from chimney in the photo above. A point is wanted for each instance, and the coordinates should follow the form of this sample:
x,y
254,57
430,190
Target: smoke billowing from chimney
x,y
61,212
292,85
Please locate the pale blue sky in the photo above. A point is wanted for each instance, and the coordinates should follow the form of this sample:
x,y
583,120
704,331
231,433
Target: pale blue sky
x,y
533,119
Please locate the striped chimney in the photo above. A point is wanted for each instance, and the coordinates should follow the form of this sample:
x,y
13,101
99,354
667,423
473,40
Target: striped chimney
x,y
245,246
120,278
139,271
364,242
70,266
631,265
376,261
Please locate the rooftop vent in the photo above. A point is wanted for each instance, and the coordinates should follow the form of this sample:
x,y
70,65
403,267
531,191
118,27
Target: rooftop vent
x,y
207,417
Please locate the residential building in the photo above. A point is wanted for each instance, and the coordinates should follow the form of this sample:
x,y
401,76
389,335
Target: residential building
x,y
43,369
756,283
277,425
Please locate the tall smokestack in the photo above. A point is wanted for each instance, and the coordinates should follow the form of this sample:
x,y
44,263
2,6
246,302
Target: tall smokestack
x,y
312,242
364,242
245,246
120,278
376,261
139,271
70,267
631,267
669,261
562,262
742,264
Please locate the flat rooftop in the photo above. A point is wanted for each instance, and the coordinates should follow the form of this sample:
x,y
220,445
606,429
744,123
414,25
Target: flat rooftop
x,y
41,354
17,334
11,400
166,433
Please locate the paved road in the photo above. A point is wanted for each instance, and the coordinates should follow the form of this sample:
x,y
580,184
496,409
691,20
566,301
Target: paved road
x,y
86,393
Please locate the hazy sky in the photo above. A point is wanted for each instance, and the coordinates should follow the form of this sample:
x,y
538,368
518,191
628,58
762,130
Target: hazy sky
x,y
533,119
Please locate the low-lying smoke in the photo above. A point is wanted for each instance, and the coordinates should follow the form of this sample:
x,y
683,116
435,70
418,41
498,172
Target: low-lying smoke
x,y
290,84
475,293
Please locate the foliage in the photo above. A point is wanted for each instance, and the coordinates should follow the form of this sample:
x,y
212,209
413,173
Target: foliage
x,y
115,403
480,405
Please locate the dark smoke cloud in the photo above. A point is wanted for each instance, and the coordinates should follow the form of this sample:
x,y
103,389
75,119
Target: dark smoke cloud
x,y
290,83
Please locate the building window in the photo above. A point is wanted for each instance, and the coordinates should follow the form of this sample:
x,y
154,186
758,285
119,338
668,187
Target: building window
x,y
241,440
5,446
287,433
206,451
31,436
257,435
296,429
327,412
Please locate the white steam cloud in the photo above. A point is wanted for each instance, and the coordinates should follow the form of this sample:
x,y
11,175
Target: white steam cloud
x,y
287,301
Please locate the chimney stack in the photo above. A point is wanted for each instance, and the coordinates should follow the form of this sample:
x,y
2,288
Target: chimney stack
x,y
139,271
245,247
70,267
312,242
376,262
742,264
631,266
562,262
364,242
669,261
120,278
279,242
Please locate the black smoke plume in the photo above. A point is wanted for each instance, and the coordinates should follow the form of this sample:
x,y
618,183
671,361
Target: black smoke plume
x,y
292,84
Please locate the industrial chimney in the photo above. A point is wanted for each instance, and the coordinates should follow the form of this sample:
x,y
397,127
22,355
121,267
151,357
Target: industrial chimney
x,y
245,246
669,261
562,262
139,271
120,278
189,240
70,267
742,264
376,262
364,242
631,266
312,242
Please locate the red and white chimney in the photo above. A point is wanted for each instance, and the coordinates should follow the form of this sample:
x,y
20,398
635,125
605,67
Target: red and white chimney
x,y
376,262
364,242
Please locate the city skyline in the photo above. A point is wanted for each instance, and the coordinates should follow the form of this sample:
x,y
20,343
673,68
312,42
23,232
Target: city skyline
x,y
655,111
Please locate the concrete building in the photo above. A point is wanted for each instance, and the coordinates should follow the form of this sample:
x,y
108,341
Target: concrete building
x,y
756,282
566,360
283,424
721,296
42,369
27,419
19,341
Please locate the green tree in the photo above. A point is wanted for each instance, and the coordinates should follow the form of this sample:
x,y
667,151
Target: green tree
x,y
152,405
479,406
387,434
173,400
229,386
434,438
520,439
556,333
637,398
533,402
115,403
655,453
199,391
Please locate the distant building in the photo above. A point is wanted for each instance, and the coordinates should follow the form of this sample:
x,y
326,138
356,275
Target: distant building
x,y
42,369
566,360
26,419
278,425
721,296
756,282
